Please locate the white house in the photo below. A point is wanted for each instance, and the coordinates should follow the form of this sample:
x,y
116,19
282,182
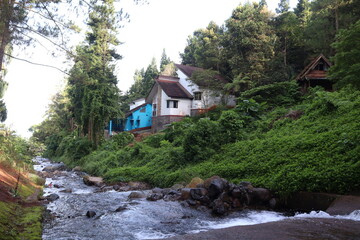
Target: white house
x,y
173,98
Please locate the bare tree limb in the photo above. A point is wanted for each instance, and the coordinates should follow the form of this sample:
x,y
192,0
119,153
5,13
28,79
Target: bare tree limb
x,y
38,64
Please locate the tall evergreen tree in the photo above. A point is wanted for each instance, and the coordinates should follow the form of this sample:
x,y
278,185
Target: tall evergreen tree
x,y
302,11
93,93
283,6
248,43
149,77
165,60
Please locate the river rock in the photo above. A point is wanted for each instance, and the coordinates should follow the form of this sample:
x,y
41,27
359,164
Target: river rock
x,y
52,197
121,208
198,193
54,167
57,186
154,197
195,182
135,195
76,169
259,195
185,193
66,190
138,185
177,186
157,190
93,181
172,196
215,186
219,207
90,214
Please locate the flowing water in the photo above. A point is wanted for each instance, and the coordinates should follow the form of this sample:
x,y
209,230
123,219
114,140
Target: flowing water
x,y
139,219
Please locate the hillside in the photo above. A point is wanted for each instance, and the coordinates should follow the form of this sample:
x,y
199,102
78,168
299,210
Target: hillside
x,y
310,145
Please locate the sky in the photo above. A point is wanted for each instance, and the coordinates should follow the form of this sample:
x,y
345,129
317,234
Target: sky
x,y
158,25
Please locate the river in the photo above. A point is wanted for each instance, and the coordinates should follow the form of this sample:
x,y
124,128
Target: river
x,y
137,218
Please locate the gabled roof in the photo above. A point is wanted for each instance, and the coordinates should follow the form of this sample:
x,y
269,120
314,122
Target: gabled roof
x,y
134,109
305,72
174,89
189,70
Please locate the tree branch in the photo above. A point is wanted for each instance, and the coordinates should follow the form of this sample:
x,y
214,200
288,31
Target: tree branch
x,y
38,64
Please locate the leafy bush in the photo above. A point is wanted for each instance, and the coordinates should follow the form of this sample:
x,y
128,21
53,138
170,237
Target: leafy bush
x,y
276,94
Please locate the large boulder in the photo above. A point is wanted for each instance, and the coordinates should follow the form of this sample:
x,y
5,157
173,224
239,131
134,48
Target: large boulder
x,y
55,167
259,195
52,197
154,197
200,194
195,182
215,186
136,195
138,185
93,181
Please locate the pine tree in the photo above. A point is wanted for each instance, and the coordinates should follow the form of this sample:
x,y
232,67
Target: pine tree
x,y
165,60
283,6
93,93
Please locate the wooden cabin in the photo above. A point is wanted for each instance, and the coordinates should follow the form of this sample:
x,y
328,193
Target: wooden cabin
x,y
315,74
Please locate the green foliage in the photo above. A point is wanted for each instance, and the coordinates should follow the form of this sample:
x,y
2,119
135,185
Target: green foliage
x,y
71,149
347,59
317,151
202,140
117,141
276,94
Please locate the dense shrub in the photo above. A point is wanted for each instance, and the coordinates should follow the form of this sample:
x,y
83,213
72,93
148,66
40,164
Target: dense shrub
x,y
276,94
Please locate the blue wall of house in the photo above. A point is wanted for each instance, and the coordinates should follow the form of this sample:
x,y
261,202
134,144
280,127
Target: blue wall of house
x,y
139,118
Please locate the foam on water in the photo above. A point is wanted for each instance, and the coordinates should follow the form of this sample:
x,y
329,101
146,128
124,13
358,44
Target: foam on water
x,y
355,215
251,218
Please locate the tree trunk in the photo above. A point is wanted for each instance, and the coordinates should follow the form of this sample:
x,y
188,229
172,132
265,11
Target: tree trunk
x,y
5,18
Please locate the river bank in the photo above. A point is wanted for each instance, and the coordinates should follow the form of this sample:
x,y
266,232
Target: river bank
x,y
20,210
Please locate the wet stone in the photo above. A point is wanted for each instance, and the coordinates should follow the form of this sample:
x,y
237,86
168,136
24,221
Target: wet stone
x,y
90,214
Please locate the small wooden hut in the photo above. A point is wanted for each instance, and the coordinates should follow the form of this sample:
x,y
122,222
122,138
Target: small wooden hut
x,y
315,74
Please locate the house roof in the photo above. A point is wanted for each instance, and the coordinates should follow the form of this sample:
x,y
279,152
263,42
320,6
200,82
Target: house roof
x,y
134,109
174,89
189,70
309,73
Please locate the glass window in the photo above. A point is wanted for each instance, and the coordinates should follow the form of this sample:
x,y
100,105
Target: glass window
x,y
197,96
171,104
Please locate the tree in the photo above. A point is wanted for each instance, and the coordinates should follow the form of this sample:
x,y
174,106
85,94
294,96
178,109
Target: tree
x,y
165,60
204,48
283,6
149,77
249,42
93,94
346,69
302,11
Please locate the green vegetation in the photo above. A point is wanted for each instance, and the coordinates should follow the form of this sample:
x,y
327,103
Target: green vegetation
x,y
311,146
275,137
19,219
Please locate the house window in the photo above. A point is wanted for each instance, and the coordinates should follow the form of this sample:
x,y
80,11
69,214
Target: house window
x,y
197,95
154,110
138,122
132,122
143,109
172,104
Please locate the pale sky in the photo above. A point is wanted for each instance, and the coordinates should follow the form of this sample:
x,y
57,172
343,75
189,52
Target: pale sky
x,y
153,27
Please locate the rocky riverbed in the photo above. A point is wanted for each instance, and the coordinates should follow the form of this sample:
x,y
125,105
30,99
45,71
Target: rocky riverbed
x,y
78,211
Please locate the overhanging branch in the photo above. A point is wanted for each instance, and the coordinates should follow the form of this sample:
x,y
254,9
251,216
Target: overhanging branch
x,y
38,64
